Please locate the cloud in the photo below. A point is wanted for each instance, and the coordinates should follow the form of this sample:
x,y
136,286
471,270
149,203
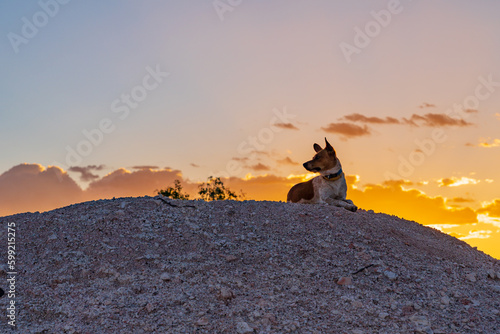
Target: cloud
x,y
347,130
32,187
397,183
492,209
435,120
259,167
243,159
494,143
86,174
471,111
486,143
427,105
372,120
194,165
287,161
286,126
429,119
460,200
456,182
124,183
265,187
483,234
141,167
410,204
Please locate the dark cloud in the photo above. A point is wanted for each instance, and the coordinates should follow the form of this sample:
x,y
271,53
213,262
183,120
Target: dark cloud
x,y
416,120
347,130
446,182
86,174
244,159
460,200
194,165
373,120
427,105
286,126
259,167
435,120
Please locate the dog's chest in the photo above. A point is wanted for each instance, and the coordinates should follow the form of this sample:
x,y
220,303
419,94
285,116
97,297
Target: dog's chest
x,y
325,189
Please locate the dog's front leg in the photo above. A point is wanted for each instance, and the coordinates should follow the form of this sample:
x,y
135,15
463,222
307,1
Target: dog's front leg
x,y
346,204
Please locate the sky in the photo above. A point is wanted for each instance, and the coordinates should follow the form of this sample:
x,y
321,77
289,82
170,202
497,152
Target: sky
x,y
120,98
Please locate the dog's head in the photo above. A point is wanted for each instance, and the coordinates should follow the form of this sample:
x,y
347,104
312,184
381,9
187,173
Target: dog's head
x,y
324,159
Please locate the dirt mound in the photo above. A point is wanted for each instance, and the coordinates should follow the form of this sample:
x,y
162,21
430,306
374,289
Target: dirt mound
x,y
146,265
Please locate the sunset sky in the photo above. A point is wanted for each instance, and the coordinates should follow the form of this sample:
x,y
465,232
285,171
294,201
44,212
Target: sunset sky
x,y
120,98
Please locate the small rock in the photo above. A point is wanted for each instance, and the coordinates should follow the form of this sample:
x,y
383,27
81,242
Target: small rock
x,y
422,324
226,294
445,300
390,275
383,315
493,275
471,277
408,309
203,321
357,304
269,318
242,328
345,281
231,258
166,277
149,307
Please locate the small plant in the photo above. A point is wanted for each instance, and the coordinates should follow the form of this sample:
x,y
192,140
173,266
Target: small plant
x,y
214,190
175,192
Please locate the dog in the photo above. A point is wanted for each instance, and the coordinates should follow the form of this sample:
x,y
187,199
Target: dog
x,y
329,187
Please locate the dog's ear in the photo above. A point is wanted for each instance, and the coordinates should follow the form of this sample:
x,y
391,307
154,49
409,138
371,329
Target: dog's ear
x,y
329,147
317,148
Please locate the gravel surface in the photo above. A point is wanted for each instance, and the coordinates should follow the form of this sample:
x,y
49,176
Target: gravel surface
x,y
152,265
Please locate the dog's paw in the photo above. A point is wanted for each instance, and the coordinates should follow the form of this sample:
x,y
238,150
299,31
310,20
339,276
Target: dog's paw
x,y
352,208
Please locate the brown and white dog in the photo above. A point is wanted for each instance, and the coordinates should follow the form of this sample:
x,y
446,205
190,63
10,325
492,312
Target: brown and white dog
x,y
329,187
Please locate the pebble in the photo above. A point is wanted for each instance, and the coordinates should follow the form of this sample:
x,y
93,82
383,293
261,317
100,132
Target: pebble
x,y
390,275
383,315
422,324
242,328
226,294
471,277
445,300
166,277
203,321
344,281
